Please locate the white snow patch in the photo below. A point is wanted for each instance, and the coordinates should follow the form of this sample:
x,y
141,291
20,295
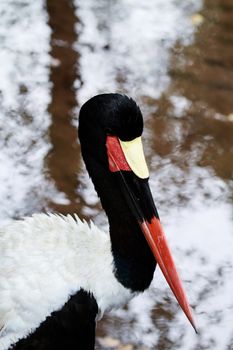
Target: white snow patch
x,y
125,45
24,99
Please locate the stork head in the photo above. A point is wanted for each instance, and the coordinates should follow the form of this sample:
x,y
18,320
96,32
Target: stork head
x,y
110,132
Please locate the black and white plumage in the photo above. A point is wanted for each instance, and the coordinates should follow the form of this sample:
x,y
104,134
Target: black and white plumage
x,y
58,275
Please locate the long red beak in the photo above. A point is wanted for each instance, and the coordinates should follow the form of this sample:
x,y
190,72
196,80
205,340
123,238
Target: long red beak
x,y
156,239
139,198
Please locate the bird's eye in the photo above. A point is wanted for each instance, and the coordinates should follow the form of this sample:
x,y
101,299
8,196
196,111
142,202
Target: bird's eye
x,y
109,131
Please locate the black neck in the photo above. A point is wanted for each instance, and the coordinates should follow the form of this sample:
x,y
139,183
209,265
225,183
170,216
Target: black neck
x,y
118,115
134,262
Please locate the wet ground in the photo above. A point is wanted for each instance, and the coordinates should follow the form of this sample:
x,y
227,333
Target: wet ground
x,y
176,59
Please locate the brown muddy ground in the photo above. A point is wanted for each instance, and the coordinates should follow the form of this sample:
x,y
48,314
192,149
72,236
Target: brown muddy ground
x,y
201,73
63,162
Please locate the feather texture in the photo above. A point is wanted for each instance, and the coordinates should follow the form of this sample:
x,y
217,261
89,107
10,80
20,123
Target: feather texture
x,y
45,259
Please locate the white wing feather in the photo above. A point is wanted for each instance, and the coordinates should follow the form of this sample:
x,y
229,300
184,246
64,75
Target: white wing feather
x,y
45,259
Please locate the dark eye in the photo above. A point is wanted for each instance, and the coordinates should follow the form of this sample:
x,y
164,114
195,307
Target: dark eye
x,y
109,131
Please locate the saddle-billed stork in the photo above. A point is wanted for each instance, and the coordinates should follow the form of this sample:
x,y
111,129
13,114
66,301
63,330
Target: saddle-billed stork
x,y
59,274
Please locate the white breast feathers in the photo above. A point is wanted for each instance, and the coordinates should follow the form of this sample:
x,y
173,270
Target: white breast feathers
x,y
44,260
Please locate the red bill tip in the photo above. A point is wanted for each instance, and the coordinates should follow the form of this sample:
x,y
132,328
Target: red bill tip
x,y
156,239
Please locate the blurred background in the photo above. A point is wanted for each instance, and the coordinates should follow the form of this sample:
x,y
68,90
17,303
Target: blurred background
x,y
175,57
